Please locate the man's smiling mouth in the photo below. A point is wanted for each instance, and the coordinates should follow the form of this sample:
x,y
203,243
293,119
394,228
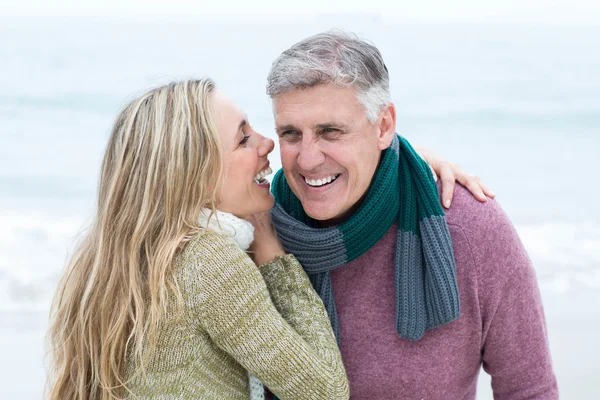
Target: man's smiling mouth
x,y
321,181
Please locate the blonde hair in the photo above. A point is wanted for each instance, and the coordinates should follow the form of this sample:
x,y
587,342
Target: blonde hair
x,y
160,169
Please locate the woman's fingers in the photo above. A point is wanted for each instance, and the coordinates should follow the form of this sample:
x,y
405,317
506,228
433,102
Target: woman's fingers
x,y
451,173
448,180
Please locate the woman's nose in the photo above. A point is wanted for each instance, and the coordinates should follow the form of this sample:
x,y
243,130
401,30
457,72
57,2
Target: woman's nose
x,y
266,146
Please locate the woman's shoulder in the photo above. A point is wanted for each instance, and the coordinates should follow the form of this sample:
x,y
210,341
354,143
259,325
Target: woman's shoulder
x,y
208,249
204,239
208,262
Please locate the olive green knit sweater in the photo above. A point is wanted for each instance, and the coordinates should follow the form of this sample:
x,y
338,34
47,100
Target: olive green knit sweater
x,y
239,318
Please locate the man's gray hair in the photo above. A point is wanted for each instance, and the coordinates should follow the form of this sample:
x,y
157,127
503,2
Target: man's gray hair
x,y
334,57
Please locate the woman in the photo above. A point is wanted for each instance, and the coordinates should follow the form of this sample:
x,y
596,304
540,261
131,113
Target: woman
x,y
161,299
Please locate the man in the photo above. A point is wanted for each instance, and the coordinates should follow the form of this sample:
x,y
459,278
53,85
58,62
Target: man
x,y
419,299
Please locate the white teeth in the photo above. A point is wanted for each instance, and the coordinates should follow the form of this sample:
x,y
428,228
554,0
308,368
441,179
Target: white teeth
x,y
320,182
262,174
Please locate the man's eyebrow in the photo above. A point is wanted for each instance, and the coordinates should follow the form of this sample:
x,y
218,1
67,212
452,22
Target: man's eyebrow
x,y
330,125
283,128
325,125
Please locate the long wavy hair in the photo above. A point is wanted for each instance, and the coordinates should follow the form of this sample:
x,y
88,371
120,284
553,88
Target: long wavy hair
x,y
160,169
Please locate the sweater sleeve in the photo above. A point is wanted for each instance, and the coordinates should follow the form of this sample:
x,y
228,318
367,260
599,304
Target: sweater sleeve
x,y
293,351
515,347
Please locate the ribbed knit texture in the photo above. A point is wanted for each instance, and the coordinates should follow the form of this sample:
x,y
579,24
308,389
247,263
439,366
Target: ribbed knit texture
x,y
402,191
238,318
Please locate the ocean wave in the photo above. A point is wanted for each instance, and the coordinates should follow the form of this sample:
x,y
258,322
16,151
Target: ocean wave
x,y
34,250
566,256
33,253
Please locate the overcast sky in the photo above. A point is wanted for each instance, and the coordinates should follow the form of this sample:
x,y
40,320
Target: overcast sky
x,y
551,11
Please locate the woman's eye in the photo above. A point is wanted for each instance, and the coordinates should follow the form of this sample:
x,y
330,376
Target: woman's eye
x,y
244,140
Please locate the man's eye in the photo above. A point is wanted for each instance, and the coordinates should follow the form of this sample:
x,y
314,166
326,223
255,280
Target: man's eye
x,y
289,134
244,140
331,133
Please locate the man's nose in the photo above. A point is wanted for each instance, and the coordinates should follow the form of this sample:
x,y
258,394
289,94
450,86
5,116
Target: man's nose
x,y
310,156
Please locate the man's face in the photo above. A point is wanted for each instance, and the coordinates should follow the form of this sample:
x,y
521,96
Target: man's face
x,y
329,150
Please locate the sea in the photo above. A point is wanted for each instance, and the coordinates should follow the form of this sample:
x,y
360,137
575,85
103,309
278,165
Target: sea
x,y
515,104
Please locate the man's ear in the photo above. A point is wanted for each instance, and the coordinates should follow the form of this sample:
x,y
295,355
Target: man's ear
x,y
387,126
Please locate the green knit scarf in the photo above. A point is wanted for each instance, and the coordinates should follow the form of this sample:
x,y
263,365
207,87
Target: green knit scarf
x,y
402,191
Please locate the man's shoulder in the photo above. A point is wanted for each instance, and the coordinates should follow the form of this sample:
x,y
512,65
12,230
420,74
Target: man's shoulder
x,y
485,231
472,216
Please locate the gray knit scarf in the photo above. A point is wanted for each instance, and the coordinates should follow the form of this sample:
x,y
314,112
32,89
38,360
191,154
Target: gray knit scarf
x,y
403,192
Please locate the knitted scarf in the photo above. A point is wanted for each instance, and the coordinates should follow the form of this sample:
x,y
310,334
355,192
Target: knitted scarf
x,y
402,191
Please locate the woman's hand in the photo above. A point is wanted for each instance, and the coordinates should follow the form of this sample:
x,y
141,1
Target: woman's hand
x,y
266,245
449,173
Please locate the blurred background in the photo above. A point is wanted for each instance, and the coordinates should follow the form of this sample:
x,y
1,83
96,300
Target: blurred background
x,y
510,90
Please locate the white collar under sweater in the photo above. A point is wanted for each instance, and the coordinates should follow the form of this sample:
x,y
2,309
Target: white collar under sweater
x,y
237,229
242,233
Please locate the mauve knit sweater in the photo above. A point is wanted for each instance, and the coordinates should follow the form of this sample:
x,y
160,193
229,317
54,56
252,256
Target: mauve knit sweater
x,y
501,324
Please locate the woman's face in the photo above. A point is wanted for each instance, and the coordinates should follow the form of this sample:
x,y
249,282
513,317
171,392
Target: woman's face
x,y
243,191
